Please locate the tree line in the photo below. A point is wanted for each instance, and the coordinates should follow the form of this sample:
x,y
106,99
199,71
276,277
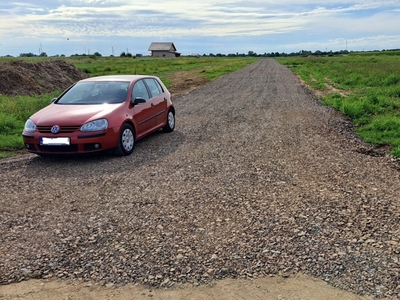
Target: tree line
x,y
303,53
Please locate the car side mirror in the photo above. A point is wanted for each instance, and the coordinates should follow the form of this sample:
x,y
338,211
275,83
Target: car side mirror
x,y
53,100
138,100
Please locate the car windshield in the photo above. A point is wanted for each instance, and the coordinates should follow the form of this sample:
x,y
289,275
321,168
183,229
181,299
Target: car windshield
x,y
96,92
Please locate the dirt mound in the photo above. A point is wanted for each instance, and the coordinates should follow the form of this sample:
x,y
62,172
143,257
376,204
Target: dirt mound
x,y
184,82
24,78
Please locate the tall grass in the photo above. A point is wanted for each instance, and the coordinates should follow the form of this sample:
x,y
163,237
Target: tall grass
x,y
370,83
14,111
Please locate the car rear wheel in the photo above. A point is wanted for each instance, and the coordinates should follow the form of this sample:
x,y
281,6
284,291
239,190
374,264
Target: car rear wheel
x,y
170,126
126,141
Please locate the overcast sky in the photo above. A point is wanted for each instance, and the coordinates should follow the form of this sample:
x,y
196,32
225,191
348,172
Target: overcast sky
x,y
200,26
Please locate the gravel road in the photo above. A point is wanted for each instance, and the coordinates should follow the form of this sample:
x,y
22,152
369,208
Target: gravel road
x,y
257,179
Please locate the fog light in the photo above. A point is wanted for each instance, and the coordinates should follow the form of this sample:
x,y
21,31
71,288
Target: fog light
x,y
97,146
27,146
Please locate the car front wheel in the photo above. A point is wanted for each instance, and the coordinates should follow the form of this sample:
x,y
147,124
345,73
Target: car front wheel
x,y
126,141
170,126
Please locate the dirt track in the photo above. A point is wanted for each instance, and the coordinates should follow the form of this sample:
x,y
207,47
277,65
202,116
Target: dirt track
x,y
258,179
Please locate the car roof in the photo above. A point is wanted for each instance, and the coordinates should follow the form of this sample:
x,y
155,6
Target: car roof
x,y
118,78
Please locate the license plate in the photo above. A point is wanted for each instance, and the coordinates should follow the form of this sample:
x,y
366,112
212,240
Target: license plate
x,y
58,141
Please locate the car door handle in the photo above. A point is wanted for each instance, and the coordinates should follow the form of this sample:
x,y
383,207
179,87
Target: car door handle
x,y
152,104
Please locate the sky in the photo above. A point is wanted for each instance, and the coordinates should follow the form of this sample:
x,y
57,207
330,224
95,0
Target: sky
x,y
111,27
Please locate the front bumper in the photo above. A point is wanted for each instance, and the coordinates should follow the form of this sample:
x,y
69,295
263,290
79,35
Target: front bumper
x,y
79,142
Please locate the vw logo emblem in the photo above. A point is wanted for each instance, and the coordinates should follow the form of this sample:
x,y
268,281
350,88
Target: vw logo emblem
x,y
55,129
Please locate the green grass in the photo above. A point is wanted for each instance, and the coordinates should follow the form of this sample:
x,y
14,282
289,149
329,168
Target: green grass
x,y
15,110
369,90
210,67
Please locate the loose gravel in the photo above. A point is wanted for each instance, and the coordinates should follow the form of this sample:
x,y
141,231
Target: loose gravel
x,y
257,179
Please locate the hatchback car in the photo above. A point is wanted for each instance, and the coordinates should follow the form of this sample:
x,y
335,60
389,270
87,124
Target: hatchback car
x,y
100,114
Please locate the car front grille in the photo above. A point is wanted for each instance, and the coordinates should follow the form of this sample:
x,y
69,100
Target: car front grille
x,y
63,129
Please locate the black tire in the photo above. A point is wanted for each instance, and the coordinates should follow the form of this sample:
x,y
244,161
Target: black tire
x,y
170,125
126,141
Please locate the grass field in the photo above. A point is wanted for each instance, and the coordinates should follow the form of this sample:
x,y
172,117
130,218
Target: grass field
x,y
14,111
363,86
210,67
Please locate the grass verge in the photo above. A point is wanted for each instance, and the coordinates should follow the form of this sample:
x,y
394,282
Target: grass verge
x,y
363,86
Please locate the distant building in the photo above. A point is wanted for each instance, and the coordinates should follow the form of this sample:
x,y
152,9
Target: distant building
x,y
163,49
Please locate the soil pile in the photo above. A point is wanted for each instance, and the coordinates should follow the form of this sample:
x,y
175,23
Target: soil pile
x,y
24,78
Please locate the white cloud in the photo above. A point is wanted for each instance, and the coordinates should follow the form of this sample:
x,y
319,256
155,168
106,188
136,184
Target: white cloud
x,y
285,21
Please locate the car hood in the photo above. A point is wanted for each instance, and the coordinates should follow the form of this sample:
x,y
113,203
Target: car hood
x,y
72,114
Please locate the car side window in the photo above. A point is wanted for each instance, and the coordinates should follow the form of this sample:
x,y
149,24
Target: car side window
x,y
140,91
154,87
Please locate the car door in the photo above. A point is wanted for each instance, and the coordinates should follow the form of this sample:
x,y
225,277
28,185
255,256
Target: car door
x,y
143,112
159,101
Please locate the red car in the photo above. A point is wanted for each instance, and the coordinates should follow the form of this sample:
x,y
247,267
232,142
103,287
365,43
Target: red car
x,y
101,113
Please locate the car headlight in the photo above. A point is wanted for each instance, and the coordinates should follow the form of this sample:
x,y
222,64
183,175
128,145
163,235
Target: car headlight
x,y
97,125
30,126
